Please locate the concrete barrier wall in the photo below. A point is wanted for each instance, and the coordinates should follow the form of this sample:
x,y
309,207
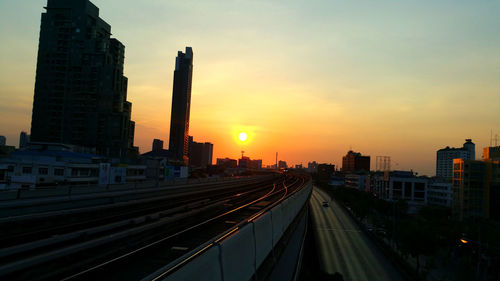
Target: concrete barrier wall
x,y
263,229
204,267
238,256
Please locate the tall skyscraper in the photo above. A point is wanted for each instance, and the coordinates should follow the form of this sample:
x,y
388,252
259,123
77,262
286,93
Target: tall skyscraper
x,y
80,91
181,103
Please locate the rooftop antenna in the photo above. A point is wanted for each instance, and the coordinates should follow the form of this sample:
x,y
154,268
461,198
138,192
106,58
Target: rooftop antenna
x,y
242,152
491,137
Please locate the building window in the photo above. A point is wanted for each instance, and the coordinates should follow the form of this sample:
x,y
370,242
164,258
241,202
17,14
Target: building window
x,y
58,172
43,171
27,170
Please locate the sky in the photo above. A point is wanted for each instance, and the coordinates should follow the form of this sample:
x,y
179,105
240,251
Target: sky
x,y
307,79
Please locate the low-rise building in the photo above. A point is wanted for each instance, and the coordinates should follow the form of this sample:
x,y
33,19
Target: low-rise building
x,y
227,163
359,181
312,167
401,185
61,166
439,193
325,172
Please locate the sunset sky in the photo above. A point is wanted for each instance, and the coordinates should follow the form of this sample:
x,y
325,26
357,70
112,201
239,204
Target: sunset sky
x,y
308,79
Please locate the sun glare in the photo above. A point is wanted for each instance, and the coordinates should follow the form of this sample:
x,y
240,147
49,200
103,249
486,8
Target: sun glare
x,y
242,137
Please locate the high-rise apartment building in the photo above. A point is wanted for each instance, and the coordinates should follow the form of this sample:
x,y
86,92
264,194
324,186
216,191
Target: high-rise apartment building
x,y
475,189
354,162
445,156
80,91
181,103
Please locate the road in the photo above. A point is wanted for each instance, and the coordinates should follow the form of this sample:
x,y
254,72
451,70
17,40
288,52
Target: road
x,y
342,246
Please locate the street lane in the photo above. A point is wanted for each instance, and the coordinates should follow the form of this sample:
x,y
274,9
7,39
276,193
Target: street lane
x,y
343,247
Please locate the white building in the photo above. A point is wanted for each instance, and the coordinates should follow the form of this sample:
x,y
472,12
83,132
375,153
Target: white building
x,y
402,185
31,168
445,156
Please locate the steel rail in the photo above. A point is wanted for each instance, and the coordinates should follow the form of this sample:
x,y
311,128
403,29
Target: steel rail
x,y
222,236
270,193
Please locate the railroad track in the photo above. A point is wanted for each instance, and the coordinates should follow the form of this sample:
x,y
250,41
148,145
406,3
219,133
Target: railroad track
x,y
104,248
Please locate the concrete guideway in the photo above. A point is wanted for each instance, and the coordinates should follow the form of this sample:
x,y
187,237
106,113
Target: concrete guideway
x,y
343,247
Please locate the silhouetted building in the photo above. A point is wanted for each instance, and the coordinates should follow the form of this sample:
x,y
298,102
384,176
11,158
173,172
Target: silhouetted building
x,y
474,183
3,140
181,103
491,153
445,156
282,165
312,167
157,145
200,154
24,139
80,91
354,162
227,163
325,171
246,162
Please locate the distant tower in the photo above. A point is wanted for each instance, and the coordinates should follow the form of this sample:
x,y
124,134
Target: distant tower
x,y
181,103
24,139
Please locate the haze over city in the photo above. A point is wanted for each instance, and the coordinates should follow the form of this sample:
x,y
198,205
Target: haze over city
x,y
309,79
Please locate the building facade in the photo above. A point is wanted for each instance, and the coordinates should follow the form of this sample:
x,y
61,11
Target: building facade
x,y
157,145
312,167
80,91
58,166
475,188
325,171
355,162
181,104
439,193
226,163
246,163
445,156
24,139
401,185
491,153
200,153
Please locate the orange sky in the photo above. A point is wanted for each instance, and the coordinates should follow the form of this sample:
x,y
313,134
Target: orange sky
x,y
309,80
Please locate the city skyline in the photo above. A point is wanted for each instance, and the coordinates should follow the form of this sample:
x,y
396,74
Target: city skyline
x,y
405,86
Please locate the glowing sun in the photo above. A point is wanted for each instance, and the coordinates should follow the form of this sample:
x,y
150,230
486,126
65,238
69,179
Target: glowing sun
x,y
242,136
